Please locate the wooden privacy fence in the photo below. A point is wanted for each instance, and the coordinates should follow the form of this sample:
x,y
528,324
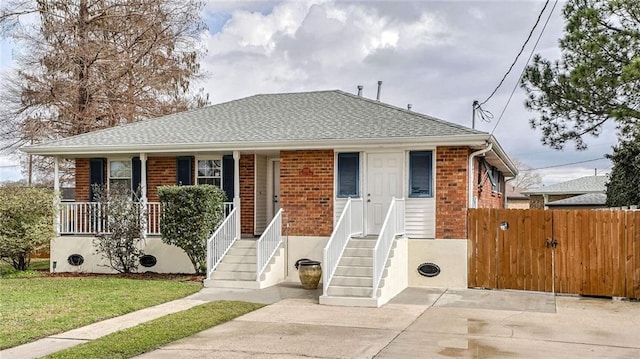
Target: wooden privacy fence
x,y
587,252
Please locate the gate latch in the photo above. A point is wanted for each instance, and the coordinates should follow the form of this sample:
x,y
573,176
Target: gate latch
x,y
551,243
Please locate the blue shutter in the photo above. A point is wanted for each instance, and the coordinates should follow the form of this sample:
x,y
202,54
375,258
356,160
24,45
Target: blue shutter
x,y
184,171
227,176
136,176
96,175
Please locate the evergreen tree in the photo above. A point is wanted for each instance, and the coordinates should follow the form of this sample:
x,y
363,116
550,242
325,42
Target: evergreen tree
x,y
597,78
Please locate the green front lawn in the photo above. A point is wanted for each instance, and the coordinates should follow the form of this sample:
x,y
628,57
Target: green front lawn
x,y
148,336
36,307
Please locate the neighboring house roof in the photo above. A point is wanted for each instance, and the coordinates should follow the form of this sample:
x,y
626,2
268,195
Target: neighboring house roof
x,y
516,193
588,199
589,184
321,119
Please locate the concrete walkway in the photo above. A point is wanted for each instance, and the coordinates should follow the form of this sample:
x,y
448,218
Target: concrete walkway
x,y
419,323
426,323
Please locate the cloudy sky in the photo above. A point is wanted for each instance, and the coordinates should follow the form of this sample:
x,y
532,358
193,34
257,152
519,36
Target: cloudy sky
x,y
439,56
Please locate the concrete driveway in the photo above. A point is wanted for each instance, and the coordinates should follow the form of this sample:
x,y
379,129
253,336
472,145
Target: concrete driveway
x,y
424,323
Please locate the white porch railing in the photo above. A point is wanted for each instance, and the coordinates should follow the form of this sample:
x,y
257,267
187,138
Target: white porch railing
x,y
87,217
350,223
393,226
268,243
81,218
153,218
221,241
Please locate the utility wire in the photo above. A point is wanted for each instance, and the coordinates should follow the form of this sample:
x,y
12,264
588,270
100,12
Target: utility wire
x,y
515,87
519,53
562,165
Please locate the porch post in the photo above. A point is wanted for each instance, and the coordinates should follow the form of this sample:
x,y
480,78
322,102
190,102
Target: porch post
x,y
236,188
56,195
143,193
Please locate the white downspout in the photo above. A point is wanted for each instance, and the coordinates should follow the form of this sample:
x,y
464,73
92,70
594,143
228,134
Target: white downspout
x,y
471,172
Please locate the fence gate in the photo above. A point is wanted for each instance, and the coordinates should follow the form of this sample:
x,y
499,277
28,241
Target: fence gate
x,y
567,251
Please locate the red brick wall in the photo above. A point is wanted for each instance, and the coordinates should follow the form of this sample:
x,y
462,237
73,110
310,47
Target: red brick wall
x,y
486,197
247,194
161,171
306,192
451,189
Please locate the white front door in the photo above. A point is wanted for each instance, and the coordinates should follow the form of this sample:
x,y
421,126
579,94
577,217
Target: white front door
x,y
276,187
384,181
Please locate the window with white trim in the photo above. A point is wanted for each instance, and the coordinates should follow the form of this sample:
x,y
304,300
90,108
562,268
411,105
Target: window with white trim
x,y
348,174
120,173
497,185
420,174
209,171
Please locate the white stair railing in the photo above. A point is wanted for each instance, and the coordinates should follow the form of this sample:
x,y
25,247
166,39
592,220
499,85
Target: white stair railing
x,y
393,226
268,243
221,241
350,223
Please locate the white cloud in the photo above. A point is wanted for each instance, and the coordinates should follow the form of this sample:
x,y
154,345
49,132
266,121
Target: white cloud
x,y
437,55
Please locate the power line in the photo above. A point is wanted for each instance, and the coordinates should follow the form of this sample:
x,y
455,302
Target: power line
x,y
515,87
519,53
562,165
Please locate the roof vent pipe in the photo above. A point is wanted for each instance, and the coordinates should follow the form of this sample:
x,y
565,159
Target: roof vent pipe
x,y
409,106
379,88
360,90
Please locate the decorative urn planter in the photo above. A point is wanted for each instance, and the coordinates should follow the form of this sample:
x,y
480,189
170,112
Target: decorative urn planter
x,y
309,272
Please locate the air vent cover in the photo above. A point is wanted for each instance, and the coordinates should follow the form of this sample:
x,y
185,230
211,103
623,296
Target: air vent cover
x,y
75,259
428,269
148,260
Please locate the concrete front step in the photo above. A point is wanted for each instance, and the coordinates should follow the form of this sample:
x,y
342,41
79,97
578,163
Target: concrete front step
x,y
361,243
240,284
346,291
355,261
233,275
354,271
358,252
241,251
245,243
239,259
350,301
349,281
226,266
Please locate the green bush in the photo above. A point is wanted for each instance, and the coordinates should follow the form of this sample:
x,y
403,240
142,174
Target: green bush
x,y
125,219
190,215
26,223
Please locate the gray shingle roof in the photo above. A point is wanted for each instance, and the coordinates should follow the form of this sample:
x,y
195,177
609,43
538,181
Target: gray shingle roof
x,y
588,199
589,184
322,115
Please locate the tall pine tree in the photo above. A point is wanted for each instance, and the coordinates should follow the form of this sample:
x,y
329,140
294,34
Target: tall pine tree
x,y
597,78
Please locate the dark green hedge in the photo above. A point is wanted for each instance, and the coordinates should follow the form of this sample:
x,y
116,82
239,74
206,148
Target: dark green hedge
x,y
190,214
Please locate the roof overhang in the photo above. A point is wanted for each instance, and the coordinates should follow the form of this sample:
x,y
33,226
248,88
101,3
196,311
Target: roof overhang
x,y
475,141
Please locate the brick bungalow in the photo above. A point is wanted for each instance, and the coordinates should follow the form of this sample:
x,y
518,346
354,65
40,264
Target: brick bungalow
x,y
308,154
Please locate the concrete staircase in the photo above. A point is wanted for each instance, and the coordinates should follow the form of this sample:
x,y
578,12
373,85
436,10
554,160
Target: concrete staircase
x,y
238,268
352,282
